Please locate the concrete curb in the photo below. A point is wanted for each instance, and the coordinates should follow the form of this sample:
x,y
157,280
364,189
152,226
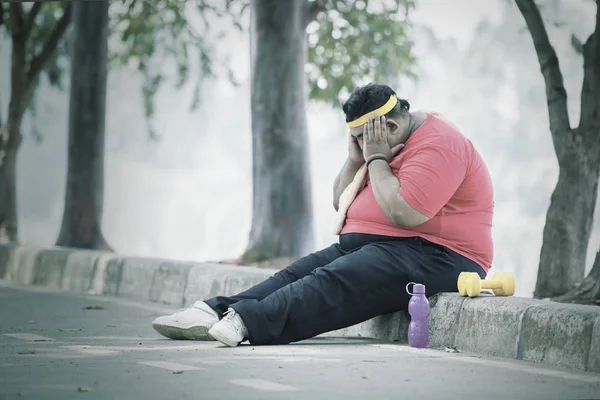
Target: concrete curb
x,y
563,335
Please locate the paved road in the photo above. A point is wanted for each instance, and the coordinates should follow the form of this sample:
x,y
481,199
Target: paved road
x,y
53,346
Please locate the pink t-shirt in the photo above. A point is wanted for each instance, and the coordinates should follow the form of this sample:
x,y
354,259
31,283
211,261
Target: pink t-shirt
x,y
443,177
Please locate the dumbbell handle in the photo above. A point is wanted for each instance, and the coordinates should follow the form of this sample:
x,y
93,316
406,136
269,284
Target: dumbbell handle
x,y
491,284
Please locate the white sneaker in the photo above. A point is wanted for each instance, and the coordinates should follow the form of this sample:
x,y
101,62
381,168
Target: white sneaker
x,y
231,330
192,323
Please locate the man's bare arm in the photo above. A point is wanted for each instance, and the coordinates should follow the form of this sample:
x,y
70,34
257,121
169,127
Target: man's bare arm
x,y
386,189
343,179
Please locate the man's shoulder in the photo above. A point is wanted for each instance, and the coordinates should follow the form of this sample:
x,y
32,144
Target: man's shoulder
x,y
446,136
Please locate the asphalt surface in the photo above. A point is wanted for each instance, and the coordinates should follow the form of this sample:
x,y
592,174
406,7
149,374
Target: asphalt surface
x,y
66,346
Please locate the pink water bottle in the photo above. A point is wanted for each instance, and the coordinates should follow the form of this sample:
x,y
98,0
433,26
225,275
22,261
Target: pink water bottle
x,y
418,308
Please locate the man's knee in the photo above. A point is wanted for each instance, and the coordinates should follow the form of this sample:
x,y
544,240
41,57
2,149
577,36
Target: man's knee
x,y
291,273
298,269
307,264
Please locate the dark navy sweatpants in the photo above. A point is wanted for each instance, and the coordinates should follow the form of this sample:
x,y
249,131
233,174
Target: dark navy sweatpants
x,y
335,288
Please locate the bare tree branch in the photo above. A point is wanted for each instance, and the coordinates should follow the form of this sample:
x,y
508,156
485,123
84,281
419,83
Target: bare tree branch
x,y
16,20
35,9
556,95
588,91
18,57
589,118
49,47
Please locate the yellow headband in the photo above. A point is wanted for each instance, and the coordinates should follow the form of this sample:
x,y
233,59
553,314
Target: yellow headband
x,y
384,109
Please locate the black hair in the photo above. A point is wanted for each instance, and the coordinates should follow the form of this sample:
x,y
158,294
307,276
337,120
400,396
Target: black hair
x,y
370,97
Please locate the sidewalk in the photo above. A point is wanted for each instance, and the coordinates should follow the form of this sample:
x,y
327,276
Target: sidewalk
x,y
562,335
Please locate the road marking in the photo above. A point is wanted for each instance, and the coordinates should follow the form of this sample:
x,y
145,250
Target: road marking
x,y
260,384
171,366
30,337
515,365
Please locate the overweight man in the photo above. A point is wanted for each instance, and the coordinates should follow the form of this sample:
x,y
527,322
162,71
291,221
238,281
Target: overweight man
x,y
414,203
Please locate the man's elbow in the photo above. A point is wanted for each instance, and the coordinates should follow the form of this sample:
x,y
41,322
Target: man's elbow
x,y
408,218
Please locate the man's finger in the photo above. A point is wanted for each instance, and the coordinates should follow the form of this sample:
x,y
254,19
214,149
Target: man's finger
x,y
384,128
365,137
396,149
377,127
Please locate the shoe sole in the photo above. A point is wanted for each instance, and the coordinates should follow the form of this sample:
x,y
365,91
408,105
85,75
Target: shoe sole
x,y
219,336
192,333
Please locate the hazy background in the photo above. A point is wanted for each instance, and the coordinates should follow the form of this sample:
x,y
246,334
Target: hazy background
x,y
188,196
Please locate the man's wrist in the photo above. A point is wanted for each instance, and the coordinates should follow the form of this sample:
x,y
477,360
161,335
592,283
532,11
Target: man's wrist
x,y
376,157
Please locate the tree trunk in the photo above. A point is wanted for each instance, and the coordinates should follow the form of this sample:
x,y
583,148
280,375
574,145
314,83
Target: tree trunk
x,y
82,217
24,79
10,134
10,137
571,213
589,290
569,218
589,124
282,224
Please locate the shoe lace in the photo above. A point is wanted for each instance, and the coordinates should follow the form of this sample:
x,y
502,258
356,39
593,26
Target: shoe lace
x,y
229,318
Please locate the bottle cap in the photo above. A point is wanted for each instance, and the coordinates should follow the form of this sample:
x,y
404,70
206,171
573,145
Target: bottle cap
x,y
417,288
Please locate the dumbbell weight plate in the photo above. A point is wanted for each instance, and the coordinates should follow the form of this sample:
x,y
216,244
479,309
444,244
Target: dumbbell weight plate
x,y
473,285
462,282
509,278
498,277
508,284
462,288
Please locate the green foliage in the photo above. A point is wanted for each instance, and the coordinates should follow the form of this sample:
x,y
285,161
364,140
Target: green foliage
x,y
352,40
147,33
347,42
48,15
150,32
45,18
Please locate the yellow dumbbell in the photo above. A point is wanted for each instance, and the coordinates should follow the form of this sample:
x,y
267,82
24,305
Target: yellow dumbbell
x,y
502,284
